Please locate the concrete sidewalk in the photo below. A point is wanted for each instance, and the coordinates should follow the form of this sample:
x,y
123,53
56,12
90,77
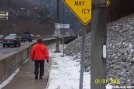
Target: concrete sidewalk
x,y
25,79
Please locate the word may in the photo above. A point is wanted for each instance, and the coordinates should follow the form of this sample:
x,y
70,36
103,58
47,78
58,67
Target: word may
x,y
81,3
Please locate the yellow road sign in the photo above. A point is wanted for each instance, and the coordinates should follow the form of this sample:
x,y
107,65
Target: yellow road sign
x,y
107,2
81,8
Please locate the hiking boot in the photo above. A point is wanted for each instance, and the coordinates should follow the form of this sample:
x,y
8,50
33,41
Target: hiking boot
x,y
36,76
41,77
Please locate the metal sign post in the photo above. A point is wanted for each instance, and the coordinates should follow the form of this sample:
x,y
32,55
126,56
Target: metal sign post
x,y
63,26
63,32
98,44
57,35
63,42
82,58
57,38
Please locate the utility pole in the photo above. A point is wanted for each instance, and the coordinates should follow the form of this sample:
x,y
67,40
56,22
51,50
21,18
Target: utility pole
x,y
57,38
98,44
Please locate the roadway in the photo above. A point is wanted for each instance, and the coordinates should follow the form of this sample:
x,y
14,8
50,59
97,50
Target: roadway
x,y
6,51
11,48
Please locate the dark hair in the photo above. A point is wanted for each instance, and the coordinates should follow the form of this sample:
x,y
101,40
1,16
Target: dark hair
x,y
39,40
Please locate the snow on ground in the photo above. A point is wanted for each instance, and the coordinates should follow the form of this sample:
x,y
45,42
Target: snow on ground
x,y
64,73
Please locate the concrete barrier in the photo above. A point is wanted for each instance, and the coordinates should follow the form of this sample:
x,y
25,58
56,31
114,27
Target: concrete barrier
x,y
11,63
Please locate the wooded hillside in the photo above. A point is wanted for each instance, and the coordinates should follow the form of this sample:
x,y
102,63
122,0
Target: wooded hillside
x,y
119,8
24,16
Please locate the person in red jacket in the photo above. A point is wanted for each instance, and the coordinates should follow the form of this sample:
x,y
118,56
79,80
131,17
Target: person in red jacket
x,y
39,54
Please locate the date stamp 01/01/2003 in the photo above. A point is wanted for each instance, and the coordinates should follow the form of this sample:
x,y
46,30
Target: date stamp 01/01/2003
x,y
113,82
107,81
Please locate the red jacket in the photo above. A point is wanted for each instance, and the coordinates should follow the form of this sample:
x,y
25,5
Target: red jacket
x,y
39,52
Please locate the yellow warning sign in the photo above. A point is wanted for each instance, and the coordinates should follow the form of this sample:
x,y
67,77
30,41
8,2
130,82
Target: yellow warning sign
x,y
81,8
107,2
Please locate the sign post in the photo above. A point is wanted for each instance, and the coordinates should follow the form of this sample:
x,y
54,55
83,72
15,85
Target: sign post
x,y
63,26
57,38
57,34
82,58
82,10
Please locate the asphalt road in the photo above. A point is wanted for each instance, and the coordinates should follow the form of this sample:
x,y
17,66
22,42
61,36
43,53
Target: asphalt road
x,y
6,51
